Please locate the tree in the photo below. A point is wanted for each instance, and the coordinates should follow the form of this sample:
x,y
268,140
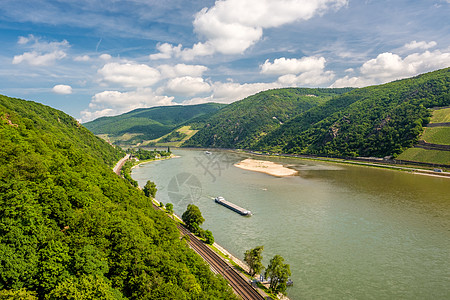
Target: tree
x,y
192,216
209,238
169,208
150,189
279,273
253,258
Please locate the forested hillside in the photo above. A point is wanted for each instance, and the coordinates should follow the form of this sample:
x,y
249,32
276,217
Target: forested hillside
x,y
72,229
150,123
243,123
374,121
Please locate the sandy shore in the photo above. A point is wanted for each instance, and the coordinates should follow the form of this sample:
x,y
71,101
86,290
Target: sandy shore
x,y
267,167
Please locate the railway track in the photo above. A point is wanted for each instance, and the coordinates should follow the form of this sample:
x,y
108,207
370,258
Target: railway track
x,y
236,281
239,284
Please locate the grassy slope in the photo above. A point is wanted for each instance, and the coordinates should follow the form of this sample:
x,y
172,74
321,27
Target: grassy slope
x,y
441,116
243,123
434,135
72,229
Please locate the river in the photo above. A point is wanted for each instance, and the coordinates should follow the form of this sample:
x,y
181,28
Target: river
x,y
347,232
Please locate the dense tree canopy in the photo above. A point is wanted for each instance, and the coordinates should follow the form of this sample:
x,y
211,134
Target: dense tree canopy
x,y
70,227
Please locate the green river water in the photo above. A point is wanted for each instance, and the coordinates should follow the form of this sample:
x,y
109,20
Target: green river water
x,y
348,232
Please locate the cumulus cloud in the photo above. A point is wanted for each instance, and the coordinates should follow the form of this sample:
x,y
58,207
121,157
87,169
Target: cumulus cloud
x,y
282,66
389,66
130,74
232,26
168,71
166,51
42,53
62,89
306,71
227,92
420,45
105,56
187,86
109,103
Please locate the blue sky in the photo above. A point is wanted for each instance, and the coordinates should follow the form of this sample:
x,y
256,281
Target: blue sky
x,y
93,58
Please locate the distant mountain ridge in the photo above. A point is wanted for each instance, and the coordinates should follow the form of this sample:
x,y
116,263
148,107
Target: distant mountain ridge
x,y
150,123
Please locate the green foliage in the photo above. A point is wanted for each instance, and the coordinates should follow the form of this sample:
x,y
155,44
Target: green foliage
x,y
374,121
279,273
254,258
150,189
208,236
143,154
193,218
169,208
243,123
151,123
21,294
72,229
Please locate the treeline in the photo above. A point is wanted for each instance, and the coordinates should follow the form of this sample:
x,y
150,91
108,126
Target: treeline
x,y
376,121
72,229
243,123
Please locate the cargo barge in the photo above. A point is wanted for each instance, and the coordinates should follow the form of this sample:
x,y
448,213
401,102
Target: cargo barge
x,y
233,207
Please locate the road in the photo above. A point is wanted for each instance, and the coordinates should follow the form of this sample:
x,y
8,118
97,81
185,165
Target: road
x,y
120,163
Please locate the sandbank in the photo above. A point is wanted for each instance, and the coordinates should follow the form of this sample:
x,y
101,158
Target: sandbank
x,y
267,167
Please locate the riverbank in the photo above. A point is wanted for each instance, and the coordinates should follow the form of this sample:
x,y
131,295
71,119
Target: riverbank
x,y
410,169
141,162
266,167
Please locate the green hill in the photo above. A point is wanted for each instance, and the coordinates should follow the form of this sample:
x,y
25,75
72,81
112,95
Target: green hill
x,y
373,121
149,123
243,123
72,229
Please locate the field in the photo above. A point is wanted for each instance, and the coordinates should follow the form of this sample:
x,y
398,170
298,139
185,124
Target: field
x,y
428,156
441,116
437,135
185,130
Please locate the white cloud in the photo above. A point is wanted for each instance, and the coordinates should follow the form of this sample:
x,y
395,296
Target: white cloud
x,y
232,26
82,58
105,56
420,45
62,89
282,66
36,59
306,71
130,74
312,79
389,66
42,53
166,51
187,86
230,91
179,70
109,103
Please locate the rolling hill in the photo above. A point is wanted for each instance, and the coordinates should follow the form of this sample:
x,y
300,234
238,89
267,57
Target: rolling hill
x,y
72,229
243,123
148,123
379,121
